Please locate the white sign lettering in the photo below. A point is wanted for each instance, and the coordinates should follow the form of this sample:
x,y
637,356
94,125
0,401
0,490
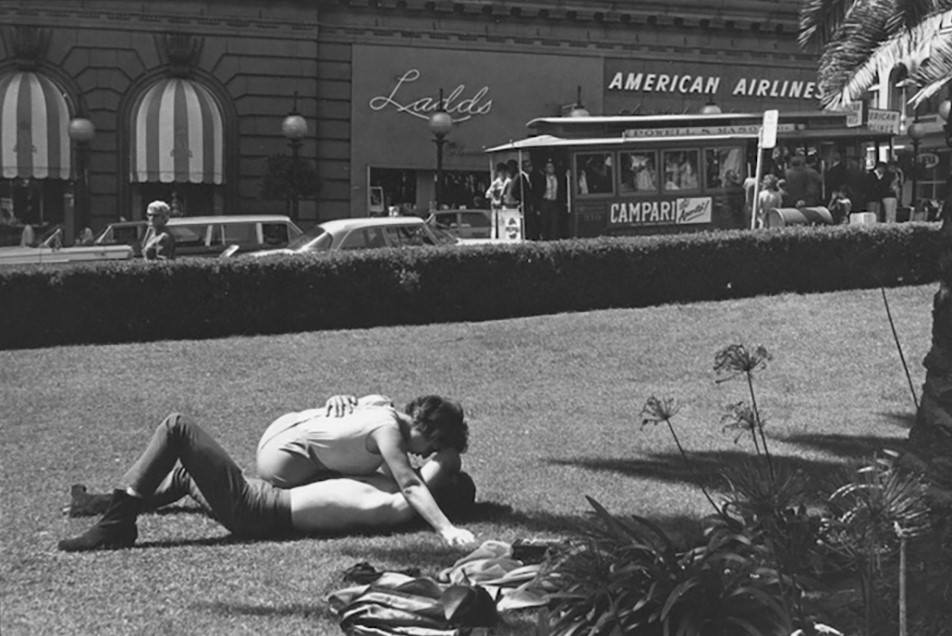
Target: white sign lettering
x,y
886,121
456,103
854,114
670,212
708,85
768,132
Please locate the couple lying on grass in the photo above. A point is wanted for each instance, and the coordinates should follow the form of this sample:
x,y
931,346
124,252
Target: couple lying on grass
x,y
341,467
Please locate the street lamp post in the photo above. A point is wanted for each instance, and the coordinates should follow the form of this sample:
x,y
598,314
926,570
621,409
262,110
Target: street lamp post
x,y
294,128
440,124
81,132
916,132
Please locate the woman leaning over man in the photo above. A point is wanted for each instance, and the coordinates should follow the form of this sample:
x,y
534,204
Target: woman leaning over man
x,y
346,490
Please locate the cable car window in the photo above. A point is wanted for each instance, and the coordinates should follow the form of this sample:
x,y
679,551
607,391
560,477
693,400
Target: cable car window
x,y
639,172
594,172
724,167
680,170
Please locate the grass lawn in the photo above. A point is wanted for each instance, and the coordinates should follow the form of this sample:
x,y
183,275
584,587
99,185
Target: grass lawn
x,y
553,404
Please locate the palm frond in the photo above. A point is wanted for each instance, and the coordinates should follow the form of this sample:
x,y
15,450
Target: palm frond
x,y
820,19
932,76
851,65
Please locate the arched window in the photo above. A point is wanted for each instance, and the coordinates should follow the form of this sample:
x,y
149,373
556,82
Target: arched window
x,y
34,123
177,147
897,88
35,158
177,134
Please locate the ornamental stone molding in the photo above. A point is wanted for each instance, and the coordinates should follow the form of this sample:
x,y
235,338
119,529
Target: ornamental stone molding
x,y
180,52
27,45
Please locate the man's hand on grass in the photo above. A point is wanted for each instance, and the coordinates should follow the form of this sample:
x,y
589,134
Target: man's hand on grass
x,y
458,537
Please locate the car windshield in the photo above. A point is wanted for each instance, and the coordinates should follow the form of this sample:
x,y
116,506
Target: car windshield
x,y
316,232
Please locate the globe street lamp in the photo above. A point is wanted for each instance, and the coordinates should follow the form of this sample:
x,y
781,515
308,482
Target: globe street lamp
x,y
440,124
916,132
81,131
579,109
294,128
945,110
710,108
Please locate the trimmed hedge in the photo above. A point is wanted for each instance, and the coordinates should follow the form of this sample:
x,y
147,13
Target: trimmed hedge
x,y
137,301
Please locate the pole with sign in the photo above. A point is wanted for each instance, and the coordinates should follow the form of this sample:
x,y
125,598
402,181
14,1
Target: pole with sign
x,y
766,140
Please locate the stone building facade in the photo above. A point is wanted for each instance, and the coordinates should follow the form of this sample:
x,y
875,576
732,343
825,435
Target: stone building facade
x,y
187,98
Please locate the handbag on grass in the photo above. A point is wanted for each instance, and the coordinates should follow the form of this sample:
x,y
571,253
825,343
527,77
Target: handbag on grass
x,y
403,606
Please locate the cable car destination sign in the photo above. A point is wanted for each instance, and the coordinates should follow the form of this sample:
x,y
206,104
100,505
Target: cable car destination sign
x,y
737,130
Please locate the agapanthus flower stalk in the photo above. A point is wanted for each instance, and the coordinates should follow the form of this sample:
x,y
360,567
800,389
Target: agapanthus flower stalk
x,y
658,410
736,360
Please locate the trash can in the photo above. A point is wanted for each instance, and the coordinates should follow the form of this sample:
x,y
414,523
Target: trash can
x,y
785,217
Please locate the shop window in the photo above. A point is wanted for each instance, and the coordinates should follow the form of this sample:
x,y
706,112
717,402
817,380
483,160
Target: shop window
x,y
465,189
397,188
680,170
594,173
184,199
38,202
935,168
724,168
639,172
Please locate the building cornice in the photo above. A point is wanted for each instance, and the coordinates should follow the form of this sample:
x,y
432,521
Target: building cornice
x,y
345,34
723,15
139,16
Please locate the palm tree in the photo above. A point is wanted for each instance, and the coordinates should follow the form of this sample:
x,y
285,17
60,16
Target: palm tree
x,y
858,38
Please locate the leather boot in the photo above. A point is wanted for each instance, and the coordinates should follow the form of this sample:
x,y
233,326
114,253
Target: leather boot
x,y
116,528
85,504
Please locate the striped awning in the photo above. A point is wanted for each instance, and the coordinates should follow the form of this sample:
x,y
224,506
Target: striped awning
x,y
34,123
177,134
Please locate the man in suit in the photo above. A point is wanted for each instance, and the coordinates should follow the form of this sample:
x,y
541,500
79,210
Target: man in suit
x,y
520,195
551,202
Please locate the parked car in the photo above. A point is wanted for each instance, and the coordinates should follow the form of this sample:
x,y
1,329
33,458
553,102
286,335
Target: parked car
x,y
128,233
465,224
211,235
51,250
360,233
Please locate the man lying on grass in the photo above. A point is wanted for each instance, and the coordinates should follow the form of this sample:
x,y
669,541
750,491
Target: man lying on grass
x,y
257,509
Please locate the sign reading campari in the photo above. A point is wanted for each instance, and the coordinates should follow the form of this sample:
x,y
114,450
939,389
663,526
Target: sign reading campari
x,y
660,212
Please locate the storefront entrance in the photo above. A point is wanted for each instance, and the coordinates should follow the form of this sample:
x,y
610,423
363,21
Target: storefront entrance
x,y
413,192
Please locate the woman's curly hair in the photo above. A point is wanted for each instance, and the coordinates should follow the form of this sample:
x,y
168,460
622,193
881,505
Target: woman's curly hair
x,y
440,420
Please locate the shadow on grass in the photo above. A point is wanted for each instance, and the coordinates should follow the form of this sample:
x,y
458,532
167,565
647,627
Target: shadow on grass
x,y
177,509
706,467
852,447
220,608
900,418
516,523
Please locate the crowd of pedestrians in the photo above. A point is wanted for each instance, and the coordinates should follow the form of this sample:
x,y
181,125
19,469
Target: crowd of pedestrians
x,y
795,181
538,192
